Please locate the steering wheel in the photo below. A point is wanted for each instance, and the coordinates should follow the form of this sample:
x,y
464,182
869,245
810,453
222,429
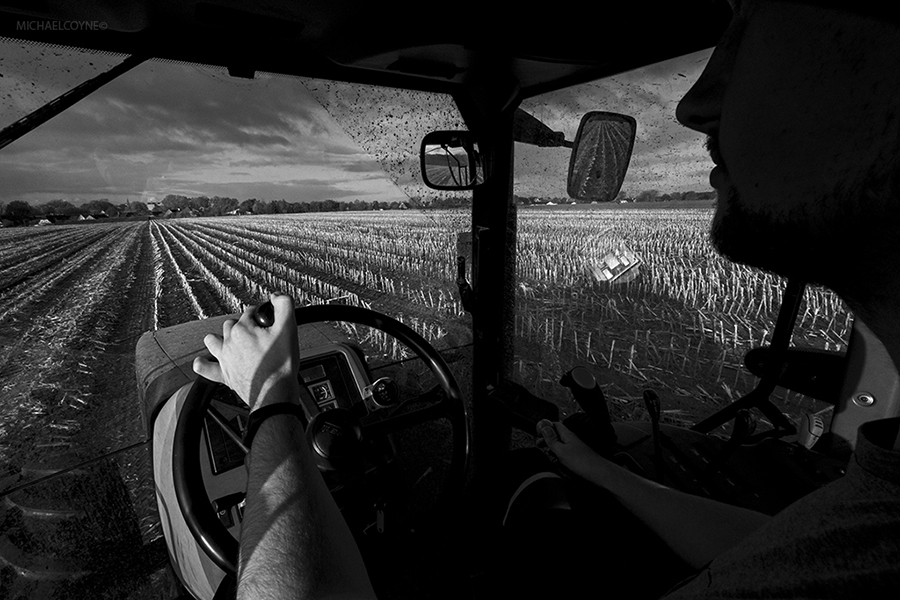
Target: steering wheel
x,y
190,490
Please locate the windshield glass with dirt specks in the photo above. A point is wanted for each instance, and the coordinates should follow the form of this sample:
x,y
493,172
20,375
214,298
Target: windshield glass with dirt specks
x,y
177,193
632,289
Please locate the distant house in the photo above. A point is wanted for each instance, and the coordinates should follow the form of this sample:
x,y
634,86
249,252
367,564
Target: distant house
x,y
44,222
58,218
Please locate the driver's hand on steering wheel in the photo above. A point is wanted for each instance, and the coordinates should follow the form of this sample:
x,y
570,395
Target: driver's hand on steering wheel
x,y
258,363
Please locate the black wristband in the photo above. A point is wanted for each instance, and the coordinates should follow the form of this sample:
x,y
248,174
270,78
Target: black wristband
x,y
258,416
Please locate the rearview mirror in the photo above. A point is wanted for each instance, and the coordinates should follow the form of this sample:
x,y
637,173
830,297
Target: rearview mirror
x,y
600,156
451,160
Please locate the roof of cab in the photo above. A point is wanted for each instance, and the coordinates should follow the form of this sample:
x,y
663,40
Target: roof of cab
x,y
427,45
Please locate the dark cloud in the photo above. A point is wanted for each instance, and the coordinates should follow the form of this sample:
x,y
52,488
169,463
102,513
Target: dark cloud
x,y
210,103
362,167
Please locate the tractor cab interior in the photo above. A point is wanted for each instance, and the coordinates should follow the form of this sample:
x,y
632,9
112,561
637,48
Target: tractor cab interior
x,y
506,286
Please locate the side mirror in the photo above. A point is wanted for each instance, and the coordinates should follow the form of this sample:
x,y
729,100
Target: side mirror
x,y
451,160
600,156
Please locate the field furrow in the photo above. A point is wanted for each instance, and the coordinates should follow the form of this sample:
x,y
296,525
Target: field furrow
x,y
16,250
214,299
51,287
177,306
397,245
334,266
304,282
50,380
38,259
248,274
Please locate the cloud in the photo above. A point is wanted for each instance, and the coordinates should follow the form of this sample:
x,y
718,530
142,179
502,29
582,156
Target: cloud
x,y
185,125
173,128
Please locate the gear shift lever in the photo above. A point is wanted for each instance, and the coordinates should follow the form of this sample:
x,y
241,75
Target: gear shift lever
x,y
590,398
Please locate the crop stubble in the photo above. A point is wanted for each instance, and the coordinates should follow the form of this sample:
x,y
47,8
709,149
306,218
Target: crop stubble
x,y
681,327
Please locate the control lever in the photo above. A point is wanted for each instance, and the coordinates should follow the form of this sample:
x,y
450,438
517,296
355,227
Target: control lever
x,y
264,315
590,398
651,402
654,411
744,426
466,294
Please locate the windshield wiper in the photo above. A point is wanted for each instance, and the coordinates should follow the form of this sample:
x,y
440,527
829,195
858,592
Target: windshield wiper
x,y
64,101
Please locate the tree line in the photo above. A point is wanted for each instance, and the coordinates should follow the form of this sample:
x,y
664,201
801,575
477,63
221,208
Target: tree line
x,y
174,205
19,212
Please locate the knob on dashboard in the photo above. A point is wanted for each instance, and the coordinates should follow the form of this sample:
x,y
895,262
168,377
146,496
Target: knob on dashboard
x,y
336,437
384,392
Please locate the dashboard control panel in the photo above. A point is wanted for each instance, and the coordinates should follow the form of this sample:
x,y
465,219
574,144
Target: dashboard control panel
x,y
330,377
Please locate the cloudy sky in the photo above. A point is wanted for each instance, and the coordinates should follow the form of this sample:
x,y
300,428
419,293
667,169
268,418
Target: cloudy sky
x,y
167,128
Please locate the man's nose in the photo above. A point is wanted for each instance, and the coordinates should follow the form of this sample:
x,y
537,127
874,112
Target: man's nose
x,y
701,106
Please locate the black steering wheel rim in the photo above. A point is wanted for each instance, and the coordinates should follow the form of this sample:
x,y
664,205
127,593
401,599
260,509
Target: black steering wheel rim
x,y
190,491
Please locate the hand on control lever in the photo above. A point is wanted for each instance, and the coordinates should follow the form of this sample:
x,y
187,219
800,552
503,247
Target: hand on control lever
x,y
572,452
523,408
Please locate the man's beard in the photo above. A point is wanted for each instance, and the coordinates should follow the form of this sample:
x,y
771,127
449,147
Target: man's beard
x,y
752,238
842,241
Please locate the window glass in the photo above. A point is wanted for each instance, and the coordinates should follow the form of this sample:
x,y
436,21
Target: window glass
x,y
35,74
632,289
177,193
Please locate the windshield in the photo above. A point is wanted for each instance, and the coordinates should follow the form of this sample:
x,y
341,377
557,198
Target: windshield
x,y
632,289
172,194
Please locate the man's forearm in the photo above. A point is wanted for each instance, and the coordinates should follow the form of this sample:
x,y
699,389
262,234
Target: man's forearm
x,y
697,529
294,541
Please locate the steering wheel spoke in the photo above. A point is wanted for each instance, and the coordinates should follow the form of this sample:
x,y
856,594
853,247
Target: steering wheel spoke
x,y
405,420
